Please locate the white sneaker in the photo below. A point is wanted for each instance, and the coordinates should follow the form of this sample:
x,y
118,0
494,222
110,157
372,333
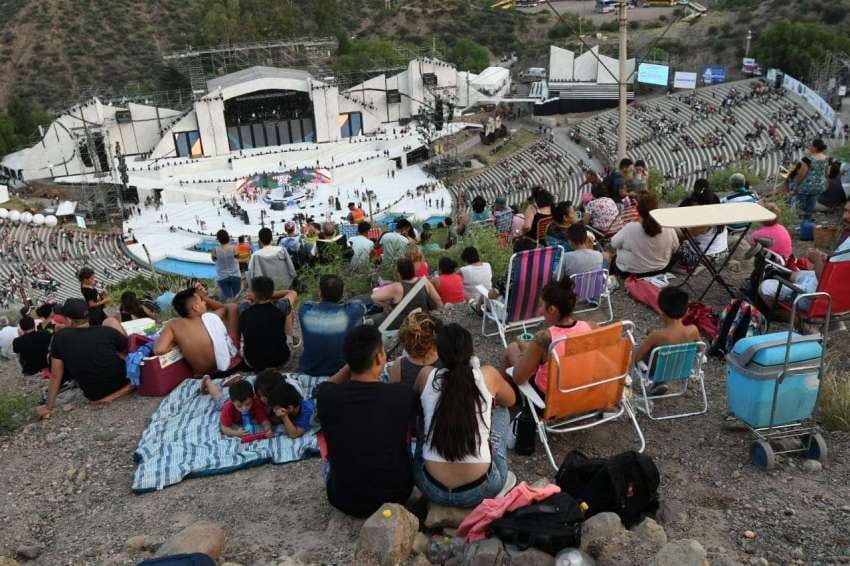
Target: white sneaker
x,y
510,483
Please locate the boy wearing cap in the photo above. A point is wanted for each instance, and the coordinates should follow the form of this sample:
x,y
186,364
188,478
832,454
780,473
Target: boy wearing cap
x,y
92,355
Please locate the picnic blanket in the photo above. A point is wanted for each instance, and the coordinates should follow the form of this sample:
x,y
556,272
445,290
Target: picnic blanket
x,y
183,440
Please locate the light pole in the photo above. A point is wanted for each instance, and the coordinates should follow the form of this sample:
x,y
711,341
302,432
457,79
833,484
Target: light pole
x,y
622,146
749,39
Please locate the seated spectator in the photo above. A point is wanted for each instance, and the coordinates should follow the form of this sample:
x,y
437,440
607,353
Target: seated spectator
x,y
643,248
712,240
673,303
563,216
701,192
531,359
583,257
242,414
474,273
366,425
463,459
395,243
293,411
426,244
418,337
777,233
8,333
503,215
741,191
324,325
390,295
361,246
807,280
539,209
48,319
31,347
420,266
449,283
602,213
92,355
132,309
330,244
480,214
95,299
205,338
271,261
834,195
228,275
292,242
266,324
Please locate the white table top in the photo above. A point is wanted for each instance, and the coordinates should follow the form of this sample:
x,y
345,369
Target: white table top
x,y
711,215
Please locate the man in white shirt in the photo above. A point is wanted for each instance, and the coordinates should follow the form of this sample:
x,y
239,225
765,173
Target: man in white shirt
x,y
8,334
272,261
395,243
361,246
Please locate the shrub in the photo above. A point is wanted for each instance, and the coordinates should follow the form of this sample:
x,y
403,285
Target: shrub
x,y
834,404
719,180
675,195
15,410
787,213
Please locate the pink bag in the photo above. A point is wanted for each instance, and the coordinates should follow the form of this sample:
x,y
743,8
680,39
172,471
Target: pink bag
x,y
643,292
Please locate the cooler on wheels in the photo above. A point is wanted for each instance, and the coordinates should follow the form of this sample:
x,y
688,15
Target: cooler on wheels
x,y
773,384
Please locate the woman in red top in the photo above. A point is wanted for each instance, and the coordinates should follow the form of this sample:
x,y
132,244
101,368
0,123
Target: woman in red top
x,y
414,254
449,284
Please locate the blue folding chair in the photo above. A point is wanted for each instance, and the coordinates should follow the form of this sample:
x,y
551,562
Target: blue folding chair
x,y
348,230
591,289
674,366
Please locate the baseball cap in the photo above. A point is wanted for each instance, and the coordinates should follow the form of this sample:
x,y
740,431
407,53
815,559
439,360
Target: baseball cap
x,y
77,309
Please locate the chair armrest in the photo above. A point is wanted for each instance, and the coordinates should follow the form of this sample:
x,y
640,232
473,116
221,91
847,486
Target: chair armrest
x,y
528,391
784,282
482,290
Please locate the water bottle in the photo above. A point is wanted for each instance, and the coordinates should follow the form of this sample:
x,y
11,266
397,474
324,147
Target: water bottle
x,y
246,422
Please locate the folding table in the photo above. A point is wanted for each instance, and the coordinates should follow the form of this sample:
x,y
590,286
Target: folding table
x,y
686,218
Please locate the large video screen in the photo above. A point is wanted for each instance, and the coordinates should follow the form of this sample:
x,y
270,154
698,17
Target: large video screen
x,y
652,74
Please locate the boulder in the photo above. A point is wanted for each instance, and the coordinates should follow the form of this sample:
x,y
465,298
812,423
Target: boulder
x,y
671,512
8,562
203,536
28,552
136,543
811,466
574,557
440,516
601,529
386,537
650,531
681,553
488,552
531,557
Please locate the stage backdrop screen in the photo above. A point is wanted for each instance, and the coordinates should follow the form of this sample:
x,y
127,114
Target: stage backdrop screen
x,y
653,74
685,80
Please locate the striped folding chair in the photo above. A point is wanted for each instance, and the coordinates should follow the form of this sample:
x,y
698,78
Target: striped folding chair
x,y
591,288
673,366
348,230
373,234
528,273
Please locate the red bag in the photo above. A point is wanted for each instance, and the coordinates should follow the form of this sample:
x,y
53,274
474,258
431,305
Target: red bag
x,y
643,292
703,317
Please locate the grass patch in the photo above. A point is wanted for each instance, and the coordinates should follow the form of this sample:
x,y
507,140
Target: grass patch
x,y
835,401
674,195
15,410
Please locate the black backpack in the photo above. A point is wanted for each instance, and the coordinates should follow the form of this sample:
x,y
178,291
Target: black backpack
x,y
625,484
550,525
739,320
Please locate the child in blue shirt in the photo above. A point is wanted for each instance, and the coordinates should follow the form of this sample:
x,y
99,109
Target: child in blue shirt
x,y
294,412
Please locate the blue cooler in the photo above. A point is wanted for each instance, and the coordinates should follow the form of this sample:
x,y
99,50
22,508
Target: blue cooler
x,y
753,368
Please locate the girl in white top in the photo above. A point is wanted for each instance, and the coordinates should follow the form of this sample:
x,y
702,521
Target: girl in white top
x,y
643,248
474,273
463,458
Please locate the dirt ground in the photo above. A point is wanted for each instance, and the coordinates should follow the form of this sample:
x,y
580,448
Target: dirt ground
x,y
67,487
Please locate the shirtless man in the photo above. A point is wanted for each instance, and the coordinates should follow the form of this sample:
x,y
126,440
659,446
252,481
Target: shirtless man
x,y
204,332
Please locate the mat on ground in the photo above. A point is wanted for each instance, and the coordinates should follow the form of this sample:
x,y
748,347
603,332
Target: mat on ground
x,y
183,440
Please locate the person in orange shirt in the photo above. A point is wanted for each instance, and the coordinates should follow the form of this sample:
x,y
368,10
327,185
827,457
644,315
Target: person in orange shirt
x,y
355,214
243,254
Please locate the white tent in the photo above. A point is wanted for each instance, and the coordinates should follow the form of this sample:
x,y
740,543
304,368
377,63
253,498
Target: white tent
x,y
4,194
66,208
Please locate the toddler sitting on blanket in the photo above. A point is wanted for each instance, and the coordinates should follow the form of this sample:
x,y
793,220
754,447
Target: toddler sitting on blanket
x,y
294,412
240,407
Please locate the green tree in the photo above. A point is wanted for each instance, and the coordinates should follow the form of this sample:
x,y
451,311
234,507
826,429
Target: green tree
x,y
363,55
794,46
468,55
220,22
8,139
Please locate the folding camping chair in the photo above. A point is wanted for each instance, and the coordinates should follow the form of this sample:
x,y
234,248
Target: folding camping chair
x,y
348,230
591,288
390,337
587,379
528,273
542,228
671,364
834,280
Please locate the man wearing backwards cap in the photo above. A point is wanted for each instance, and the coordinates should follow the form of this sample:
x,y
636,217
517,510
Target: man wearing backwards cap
x,y
92,355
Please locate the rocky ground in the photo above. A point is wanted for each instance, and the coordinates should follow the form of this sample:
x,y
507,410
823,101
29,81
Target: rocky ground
x,y
67,499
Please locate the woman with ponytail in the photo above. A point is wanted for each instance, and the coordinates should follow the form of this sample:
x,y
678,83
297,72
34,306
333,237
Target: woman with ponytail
x,y
643,248
463,458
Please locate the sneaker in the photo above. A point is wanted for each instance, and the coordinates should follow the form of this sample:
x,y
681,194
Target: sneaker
x,y
510,483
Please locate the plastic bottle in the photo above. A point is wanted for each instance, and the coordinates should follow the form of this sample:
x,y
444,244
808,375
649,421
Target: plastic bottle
x,y
246,422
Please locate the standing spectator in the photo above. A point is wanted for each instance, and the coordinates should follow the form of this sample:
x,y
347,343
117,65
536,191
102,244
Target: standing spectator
x,y
324,325
615,182
227,273
95,299
834,195
639,181
355,214
812,178
243,253
32,347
